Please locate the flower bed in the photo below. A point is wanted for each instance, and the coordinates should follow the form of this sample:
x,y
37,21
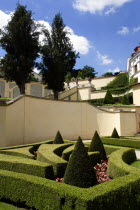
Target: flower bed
x,y
101,171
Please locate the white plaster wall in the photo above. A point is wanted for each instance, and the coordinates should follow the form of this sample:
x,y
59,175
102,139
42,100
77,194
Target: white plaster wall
x,y
136,94
84,93
33,119
96,82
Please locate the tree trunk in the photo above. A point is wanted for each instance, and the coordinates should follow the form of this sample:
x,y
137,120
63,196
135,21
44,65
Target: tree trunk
x,y
55,94
22,88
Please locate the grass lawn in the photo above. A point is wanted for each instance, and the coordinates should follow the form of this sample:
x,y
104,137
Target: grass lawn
x,y
6,206
136,164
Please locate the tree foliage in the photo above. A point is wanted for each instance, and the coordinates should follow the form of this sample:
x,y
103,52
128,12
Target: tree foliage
x,y
79,171
97,145
80,75
88,72
58,56
121,80
107,74
20,41
68,78
108,98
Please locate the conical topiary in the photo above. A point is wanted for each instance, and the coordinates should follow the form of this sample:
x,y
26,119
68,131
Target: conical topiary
x,y
108,98
58,139
79,171
97,145
115,134
125,100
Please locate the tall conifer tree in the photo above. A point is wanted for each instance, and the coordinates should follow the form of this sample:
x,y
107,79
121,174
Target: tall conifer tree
x,y
20,41
58,56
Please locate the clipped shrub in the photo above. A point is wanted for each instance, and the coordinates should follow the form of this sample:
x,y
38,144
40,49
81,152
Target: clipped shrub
x,y
49,154
133,143
58,139
108,98
97,145
118,163
115,134
26,166
79,171
94,158
125,100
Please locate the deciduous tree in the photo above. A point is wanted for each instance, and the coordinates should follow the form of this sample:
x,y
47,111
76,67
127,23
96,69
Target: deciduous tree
x,y
88,72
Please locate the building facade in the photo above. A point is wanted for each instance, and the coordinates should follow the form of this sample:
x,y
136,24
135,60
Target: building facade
x,y
133,64
11,90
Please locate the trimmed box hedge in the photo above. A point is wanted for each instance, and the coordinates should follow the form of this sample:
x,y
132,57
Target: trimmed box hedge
x,y
47,154
46,194
26,166
118,163
67,152
20,152
121,142
109,149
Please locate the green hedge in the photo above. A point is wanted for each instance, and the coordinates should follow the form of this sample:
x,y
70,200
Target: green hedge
x,y
20,152
109,149
117,100
27,166
46,153
94,158
121,142
118,163
67,152
46,194
34,145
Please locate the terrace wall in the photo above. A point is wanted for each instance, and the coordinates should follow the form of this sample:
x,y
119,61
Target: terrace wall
x,y
31,119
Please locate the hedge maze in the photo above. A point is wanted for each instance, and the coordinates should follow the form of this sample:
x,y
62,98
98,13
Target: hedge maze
x,y
32,182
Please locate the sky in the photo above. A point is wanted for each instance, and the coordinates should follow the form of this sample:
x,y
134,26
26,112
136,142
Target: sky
x,y
104,32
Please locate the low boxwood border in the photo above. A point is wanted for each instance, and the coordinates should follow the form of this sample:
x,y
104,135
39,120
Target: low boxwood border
x,y
118,163
26,166
49,154
121,142
46,194
67,152
20,152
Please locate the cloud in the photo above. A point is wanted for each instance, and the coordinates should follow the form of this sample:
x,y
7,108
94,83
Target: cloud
x,y
4,18
80,43
114,70
136,29
105,60
42,24
94,6
124,30
110,11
